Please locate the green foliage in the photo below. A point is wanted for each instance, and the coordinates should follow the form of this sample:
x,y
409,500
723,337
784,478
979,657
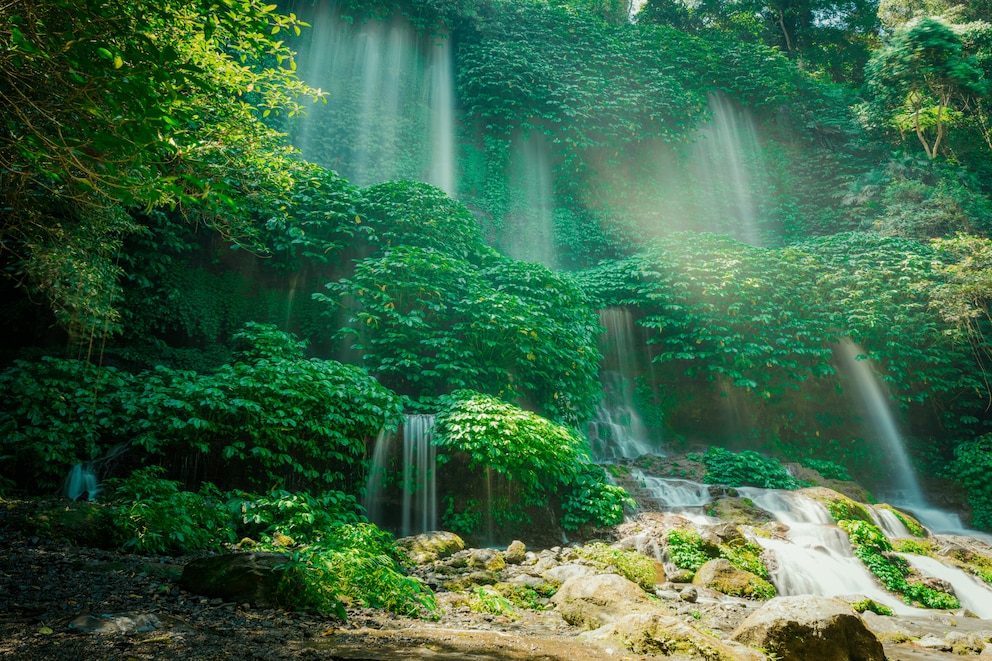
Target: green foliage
x,y
591,500
844,509
873,606
830,470
972,468
57,413
745,555
541,462
339,559
132,103
873,548
747,468
687,550
915,546
632,565
276,416
487,600
430,323
912,525
154,515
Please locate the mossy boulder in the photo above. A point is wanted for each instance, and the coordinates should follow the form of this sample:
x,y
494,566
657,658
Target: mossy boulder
x,y
657,634
431,546
807,627
235,577
723,577
592,601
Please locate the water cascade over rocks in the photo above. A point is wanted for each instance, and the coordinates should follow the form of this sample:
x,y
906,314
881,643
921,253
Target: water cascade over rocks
x,y
617,430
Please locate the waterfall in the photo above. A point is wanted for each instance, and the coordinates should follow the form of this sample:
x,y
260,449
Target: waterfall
x,y
720,164
672,493
407,503
617,430
81,481
390,111
973,594
530,234
419,475
815,558
871,393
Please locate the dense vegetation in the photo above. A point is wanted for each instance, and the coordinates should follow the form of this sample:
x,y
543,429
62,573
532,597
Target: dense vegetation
x,y
758,189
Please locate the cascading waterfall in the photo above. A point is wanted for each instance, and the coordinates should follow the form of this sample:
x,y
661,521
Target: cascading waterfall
x,y
415,462
390,112
530,235
419,475
870,391
816,557
720,165
972,593
617,430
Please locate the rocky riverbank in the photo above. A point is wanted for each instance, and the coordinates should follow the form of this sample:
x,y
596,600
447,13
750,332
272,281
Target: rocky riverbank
x,y
59,601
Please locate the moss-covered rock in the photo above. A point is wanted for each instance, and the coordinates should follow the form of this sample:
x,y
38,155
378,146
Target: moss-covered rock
x,y
431,546
723,577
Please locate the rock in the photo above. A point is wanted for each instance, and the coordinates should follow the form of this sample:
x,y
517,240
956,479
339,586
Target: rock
x,y
680,576
563,573
515,553
114,623
660,635
592,601
431,546
723,577
236,577
689,594
807,627
283,541
965,643
471,579
488,559
527,579
932,642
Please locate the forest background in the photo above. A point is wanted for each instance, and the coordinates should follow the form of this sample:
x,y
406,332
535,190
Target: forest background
x,y
179,279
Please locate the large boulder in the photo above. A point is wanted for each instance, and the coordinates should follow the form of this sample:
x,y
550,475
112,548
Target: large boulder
x,y
431,546
592,601
658,634
807,627
236,577
723,577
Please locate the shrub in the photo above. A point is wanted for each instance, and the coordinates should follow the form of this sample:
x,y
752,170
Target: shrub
x,y
828,469
154,515
972,467
747,468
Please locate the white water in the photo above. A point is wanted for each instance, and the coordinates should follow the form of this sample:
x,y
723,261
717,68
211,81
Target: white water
x,y
971,592
81,481
903,486
672,493
890,524
420,470
390,111
617,430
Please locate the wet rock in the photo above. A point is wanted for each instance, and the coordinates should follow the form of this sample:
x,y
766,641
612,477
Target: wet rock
x,y
965,643
592,601
689,594
431,546
236,577
807,627
114,623
723,577
515,553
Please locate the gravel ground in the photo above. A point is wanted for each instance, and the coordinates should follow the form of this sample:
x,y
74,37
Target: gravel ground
x,y
53,595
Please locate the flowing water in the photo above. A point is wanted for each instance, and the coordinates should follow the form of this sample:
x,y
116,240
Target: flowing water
x,y
971,592
390,111
407,503
617,430
530,219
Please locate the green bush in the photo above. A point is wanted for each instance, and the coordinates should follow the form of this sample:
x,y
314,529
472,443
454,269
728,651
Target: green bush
x,y
56,413
873,548
828,469
687,550
154,515
747,468
972,467
272,417
540,462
